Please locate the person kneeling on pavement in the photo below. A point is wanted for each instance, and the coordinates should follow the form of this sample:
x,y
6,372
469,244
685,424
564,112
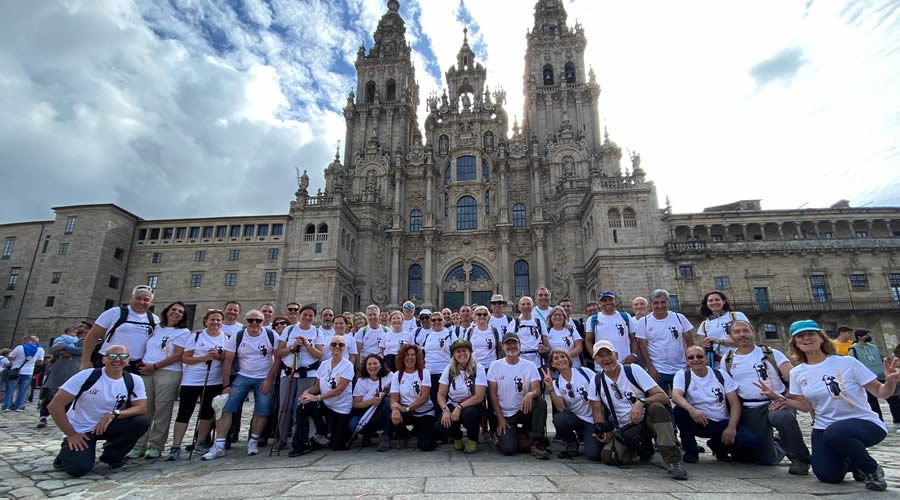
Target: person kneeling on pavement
x,y
629,411
707,405
106,404
574,417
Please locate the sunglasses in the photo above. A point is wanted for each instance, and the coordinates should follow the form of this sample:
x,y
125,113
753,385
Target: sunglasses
x,y
697,356
280,323
409,307
337,344
616,389
481,315
293,309
254,320
569,390
114,356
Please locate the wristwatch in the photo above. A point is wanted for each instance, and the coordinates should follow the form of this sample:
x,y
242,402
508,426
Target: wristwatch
x,y
643,401
407,409
116,413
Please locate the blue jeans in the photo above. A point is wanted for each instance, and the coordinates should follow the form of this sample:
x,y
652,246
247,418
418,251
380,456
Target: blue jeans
x,y
842,447
744,441
571,428
22,384
665,382
381,419
241,386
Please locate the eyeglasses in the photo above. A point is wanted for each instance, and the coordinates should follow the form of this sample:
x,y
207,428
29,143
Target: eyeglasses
x,y
482,314
697,356
114,356
409,307
337,344
254,320
280,323
616,389
293,309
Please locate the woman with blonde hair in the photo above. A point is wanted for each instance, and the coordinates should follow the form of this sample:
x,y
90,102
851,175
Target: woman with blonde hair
x,y
460,394
392,340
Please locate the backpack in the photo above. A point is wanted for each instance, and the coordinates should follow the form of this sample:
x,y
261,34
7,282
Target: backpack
x,y
366,329
583,374
493,330
96,358
95,376
239,337
540,327
629,374
471,387
687,378
733,319
769,356
595,322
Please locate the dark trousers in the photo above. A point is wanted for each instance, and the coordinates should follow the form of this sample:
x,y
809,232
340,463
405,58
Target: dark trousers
x,y
893,404
760,420
47,394
380,421
120,437
469,419
570,429
534,423
423,427
321,415
745,442
842,447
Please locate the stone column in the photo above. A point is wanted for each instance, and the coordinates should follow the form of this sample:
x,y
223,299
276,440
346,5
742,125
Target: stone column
x,y
395,270
539,243
781,230
503,194
427,275
505,268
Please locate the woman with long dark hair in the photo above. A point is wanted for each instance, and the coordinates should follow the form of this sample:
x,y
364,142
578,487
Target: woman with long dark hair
x,y
716,328
372,388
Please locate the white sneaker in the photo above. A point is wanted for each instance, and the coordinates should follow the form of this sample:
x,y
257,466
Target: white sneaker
x,y
213,454
252,448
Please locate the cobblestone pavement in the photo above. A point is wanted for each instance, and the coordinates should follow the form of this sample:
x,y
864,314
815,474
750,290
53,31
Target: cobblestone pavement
x,y
26,454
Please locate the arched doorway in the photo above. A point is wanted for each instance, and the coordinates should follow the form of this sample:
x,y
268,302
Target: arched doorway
x,y
467,284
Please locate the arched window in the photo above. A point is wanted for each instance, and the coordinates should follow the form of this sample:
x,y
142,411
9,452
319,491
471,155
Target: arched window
x,y
614,219
478,273
323,228
519,217
447,176
466,213
457,274
310,229
548,74
485,170
390,91
570,72
465,168
415,221
488,141
370,92
487,203
629,218
415,282
520,270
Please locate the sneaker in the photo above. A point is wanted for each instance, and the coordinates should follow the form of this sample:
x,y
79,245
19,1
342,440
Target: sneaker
x,y
214,454
174,454
875,481
5,410
677,471
471,446
458,444
690,458
252,448
201,448
113,464
152,453
384,444
571,450
42,423
539,451
401,444
19,410
297,453
320,440
135,453
798,467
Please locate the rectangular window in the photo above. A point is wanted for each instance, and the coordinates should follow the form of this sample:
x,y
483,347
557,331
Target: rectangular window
x,y
894,280
248,230
13,278
230,279
109,304
761,294
8,248
46,244
739,237
750,207
154,233
70,225
195,280
235,231
830,328
277,229
199,255
674,303
819,288
221,231
195,233
262,230
828,235
152,281
7,301
114,282
234,254
56,277
686,271
862,234
771,331
180,233
207,231
168,232
859,281
465,168
50,300
142,235
119,253
63,248
716,238
273,254
156,258
270,277
723,283
319,247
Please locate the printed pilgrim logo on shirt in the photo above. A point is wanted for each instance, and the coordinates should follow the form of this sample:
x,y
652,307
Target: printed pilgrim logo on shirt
x,y
568,341
416,387
470,384
263,350
163,343
835,385
583,393
332,383
621,329
490,343
762,371
674,331
720,396
520,386
121,399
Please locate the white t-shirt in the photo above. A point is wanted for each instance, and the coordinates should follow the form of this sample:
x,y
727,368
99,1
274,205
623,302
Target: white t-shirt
x,y
484,345
304,358
542,314
565,339
369,338
706,394
419,335
25,364
463,386
409,387
255,354
231,329
327,335
329,378
194,374
718,328
437,350
409,325
501,323
513,381
576,398
392,341
530,332
162,345
614,329
755,367
623,394
132,334
665,340
835,387
103,397
366,387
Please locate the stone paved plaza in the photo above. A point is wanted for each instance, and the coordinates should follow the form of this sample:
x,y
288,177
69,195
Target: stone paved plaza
x,y
26,454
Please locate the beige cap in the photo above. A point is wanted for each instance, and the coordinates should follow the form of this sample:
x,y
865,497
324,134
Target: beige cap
x,y
603,344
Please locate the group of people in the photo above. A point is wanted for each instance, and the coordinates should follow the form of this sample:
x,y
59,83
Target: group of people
x,y
621,387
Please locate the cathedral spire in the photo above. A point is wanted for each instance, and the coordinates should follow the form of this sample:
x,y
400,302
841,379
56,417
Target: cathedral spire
x,y
549,18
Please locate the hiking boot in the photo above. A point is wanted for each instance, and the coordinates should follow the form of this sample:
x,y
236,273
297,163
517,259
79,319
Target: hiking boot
x,y
57,464
539,451
113,464
458,444
384,444
301,451
471,446
42,423
152,453
213,454
798,467
201,448
677,471
858,475
174,454
135,453
252,448
400,444
690,458
571,450
875,481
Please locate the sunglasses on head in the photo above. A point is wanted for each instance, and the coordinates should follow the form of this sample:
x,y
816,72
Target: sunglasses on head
x,y
254,320
569,390
337,344
280,323
114,356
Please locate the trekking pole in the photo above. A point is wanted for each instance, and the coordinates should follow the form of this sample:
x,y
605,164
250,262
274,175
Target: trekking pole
x,y
283,410
197,425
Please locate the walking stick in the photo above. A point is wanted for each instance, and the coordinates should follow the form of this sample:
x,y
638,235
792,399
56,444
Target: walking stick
x,y
282,411
197,426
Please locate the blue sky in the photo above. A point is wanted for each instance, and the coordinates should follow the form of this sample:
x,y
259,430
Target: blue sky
x,y
191,108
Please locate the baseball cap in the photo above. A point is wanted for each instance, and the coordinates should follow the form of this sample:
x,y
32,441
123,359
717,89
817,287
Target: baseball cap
x,y
510,336
804,326
142,289
611,295
425,312
603,344
459,344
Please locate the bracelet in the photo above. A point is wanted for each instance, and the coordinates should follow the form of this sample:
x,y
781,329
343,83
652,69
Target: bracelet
x,y
445,409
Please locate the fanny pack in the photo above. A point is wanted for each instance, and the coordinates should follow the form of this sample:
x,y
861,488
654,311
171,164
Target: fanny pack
x,y
302,371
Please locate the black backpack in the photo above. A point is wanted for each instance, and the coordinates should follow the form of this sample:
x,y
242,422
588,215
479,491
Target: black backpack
x,y
239,337
95,376
96,358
